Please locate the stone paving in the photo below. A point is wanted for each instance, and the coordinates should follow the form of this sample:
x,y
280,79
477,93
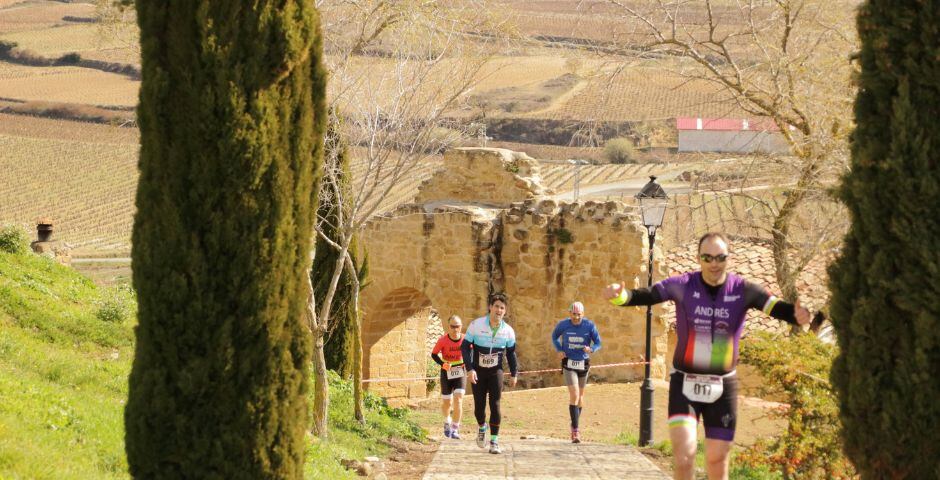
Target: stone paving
x,y
540,458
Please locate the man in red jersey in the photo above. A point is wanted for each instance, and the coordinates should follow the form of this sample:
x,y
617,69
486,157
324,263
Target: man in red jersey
x,y
453,375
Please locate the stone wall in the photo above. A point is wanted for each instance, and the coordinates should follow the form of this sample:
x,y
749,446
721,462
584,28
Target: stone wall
x,y
557,253
484,176
445,255
449,252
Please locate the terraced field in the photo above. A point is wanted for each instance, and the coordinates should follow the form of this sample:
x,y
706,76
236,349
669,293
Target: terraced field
x,y
67,84
644,94
87,188
25,16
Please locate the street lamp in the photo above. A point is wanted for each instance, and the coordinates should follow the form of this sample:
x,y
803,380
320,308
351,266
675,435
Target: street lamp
x,y
653,200
577,175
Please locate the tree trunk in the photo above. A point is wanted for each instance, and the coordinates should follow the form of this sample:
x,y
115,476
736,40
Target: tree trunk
x,y
357,343
321,392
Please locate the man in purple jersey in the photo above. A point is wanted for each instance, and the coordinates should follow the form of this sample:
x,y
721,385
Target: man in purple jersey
x,y
711,305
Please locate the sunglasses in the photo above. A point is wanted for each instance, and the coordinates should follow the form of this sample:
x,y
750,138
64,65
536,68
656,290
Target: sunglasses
x,y
455,326
720,258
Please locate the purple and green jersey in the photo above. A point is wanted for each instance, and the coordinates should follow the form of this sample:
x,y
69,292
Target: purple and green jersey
x,y
710,320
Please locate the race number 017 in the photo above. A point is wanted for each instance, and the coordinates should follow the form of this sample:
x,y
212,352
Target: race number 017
x,y
703,389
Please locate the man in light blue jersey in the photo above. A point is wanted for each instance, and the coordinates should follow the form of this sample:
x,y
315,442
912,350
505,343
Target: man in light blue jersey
x,y
575,338
487,341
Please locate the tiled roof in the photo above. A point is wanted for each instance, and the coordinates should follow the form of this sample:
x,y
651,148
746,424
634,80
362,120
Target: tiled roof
x,y
754,261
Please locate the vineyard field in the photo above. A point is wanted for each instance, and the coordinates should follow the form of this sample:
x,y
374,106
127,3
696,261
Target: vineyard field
x,y
33,16
640,94
57,41
35,127
67,84
87,188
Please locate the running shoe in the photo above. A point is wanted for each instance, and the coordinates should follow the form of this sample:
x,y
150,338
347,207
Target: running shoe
x,y
455,432
446,429
575,436
481,437
494,448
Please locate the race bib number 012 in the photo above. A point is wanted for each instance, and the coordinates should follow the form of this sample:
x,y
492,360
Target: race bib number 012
x,y
702,388
489,360
576,364
455,371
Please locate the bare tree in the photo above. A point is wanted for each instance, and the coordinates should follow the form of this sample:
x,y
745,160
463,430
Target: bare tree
x,y
786,60
397,70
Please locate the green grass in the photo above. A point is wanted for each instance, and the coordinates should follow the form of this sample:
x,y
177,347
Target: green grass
x,y
63,382
737,472
63,374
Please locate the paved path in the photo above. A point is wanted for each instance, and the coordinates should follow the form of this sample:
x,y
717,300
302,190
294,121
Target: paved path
x,y
540,458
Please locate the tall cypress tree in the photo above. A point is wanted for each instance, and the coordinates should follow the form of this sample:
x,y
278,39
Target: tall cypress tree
x,y
886,302
338,342
231,117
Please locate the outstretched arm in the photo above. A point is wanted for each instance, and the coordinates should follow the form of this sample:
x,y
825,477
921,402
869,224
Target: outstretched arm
x,y
619,295
758,297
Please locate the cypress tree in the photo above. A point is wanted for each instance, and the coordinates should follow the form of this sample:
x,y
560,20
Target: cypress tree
x,y
886,303
231,113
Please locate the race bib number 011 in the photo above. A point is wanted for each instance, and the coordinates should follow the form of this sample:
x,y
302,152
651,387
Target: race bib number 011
x,y
576,364
455,371
489,360
702,388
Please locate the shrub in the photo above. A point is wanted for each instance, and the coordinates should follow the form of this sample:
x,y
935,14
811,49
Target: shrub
x,y
13,239
115,305
811,448
620,150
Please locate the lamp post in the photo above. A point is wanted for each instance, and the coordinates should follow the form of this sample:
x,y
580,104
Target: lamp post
x,y
653,200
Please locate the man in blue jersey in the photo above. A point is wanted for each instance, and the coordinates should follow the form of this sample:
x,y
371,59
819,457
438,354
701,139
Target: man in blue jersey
x,y
575,338
487,341
711,305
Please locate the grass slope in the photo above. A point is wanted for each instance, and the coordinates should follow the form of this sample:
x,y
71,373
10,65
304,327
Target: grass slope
x,y
63,382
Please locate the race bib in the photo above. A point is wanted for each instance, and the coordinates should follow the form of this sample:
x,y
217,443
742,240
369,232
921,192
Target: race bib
x,y
702,388
455,371
575,364
489,360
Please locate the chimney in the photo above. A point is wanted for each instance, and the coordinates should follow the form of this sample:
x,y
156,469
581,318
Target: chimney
x,y
44,229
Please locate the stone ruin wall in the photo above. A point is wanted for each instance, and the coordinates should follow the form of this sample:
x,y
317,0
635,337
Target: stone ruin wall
x,y
449,254
557,253
484,176
417,261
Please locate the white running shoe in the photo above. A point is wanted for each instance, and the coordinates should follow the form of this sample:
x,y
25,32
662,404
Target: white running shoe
x,y
481,437
494,448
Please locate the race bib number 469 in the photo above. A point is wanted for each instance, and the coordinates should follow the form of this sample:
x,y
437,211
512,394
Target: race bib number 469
x,y
702,388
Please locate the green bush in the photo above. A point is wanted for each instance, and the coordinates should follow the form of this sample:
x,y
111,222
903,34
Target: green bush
x,y
115,305
13,239
620,150
811,448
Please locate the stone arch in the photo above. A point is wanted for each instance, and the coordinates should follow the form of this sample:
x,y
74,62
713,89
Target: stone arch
x,y
395,342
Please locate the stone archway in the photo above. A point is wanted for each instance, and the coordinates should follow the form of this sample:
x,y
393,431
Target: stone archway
x,y
394,343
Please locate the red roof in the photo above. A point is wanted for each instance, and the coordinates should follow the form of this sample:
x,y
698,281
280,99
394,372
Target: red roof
x,y
734,124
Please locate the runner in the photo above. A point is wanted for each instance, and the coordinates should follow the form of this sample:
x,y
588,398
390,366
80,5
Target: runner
x,y
711,305
488,340
575,338
453,375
